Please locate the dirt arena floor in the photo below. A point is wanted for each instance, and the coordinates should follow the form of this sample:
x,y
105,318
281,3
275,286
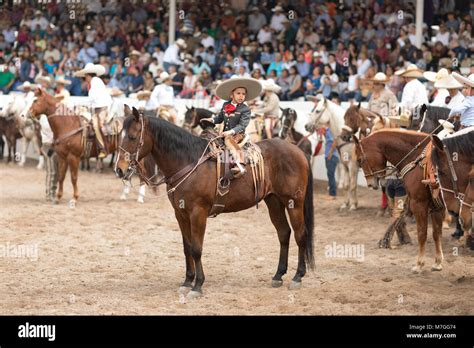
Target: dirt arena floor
x,y
114,257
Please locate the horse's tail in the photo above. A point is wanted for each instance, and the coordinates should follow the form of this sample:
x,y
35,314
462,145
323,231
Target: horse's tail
x,y
309,220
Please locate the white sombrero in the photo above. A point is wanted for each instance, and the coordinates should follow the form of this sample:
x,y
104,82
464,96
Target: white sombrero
x,y
379,77
435,76
411,71
467,81
61,80
270,85
114,91
135,53
181,43
448,82
163,77
143,95
278,8
253,87
90,68
44,79
26,85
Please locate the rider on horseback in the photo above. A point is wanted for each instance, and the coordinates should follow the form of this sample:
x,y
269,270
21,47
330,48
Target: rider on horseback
x,y
100,100
271,107
235,115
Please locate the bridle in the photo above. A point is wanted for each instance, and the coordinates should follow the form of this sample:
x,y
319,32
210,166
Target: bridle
x,y
285,127
132,157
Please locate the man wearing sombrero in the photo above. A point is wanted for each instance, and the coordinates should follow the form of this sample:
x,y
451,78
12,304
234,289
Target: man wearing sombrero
x,y
414,92
162,98
382,101
466,108
100,100
235,114
61,90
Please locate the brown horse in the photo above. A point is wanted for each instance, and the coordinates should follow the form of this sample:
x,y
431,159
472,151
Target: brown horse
x,y
404,149
67,129
288,132
359,120
10,130
191,184
454,160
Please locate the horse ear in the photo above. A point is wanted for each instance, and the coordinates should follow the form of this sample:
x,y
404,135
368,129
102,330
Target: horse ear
x,y
187,108
437,142
38,92
126,110
356,140
136,114
282,110
358,105
382,119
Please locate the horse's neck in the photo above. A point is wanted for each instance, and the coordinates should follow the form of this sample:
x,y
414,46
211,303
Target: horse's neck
x,y
296,135
336,118
396,148
63,124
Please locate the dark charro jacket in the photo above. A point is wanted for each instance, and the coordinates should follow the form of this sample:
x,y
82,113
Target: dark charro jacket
x,y
237,121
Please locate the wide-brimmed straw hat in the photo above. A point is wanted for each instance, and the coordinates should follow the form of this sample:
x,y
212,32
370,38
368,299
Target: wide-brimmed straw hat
x,y
44,79
379,77
163,77
448,82
435,76
411,71
270,85
278,8
61,80
181,43
403,120
143,95
114,91
466,81
253,87
90,68
27,85
135,53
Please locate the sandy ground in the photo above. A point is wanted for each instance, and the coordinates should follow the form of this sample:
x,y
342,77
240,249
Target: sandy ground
x,y
108,256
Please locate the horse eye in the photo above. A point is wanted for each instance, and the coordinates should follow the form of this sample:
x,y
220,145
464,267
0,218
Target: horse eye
x,y
132,138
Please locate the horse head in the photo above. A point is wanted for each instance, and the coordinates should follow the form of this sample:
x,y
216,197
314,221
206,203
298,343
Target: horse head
x,y
319,115
287,121
136,143
42,103
370,159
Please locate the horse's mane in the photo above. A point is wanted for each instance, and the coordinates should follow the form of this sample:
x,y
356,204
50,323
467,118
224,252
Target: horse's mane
x,y
437,112
461,142
353,112
173,139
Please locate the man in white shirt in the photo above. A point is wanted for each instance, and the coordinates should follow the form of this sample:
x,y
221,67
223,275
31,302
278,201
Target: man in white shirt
x,y
277,20
51,158
264,35
39,20
256,20
207,41
453,87
414,92
441,93
162,98
171,56
100,100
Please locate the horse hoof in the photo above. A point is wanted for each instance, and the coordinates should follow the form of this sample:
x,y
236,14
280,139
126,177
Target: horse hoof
x,y
352,208
384,245
343,207
277,283
140,200
123,197
21,164
194,294
184,290
416,269
294,285
437,267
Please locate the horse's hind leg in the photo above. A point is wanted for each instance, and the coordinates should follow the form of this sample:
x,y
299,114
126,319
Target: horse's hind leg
x,y
24,147
36,144
277,214
296,214
420,211
198,228
437,226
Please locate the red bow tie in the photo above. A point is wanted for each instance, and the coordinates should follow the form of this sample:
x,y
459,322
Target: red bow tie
x,y
229,108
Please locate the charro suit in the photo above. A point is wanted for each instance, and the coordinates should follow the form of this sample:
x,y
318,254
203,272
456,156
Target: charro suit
x,y
237,121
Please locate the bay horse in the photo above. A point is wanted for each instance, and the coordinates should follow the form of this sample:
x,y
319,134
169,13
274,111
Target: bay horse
x,y
403,148
67,129
288,132
325,112
453,158
10,130
193,116
288,185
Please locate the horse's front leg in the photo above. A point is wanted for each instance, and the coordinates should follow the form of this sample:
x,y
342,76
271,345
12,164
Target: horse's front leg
x,y
62,174
185,227
73,162
24,147
36,144
198,220
437,226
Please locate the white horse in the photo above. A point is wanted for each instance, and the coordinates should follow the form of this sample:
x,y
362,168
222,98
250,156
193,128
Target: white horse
x,y
18,106
327,111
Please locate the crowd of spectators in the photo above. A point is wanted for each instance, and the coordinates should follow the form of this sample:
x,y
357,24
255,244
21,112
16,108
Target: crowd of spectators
x,y
307,47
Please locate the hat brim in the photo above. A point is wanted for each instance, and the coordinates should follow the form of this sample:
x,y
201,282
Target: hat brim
x,y
99,70
63,82
31,86
274,89
410,73
430,76
42,79
253,87
464,80
142,95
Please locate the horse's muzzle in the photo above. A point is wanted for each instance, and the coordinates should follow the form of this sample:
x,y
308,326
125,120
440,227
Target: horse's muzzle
x,y
125,176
